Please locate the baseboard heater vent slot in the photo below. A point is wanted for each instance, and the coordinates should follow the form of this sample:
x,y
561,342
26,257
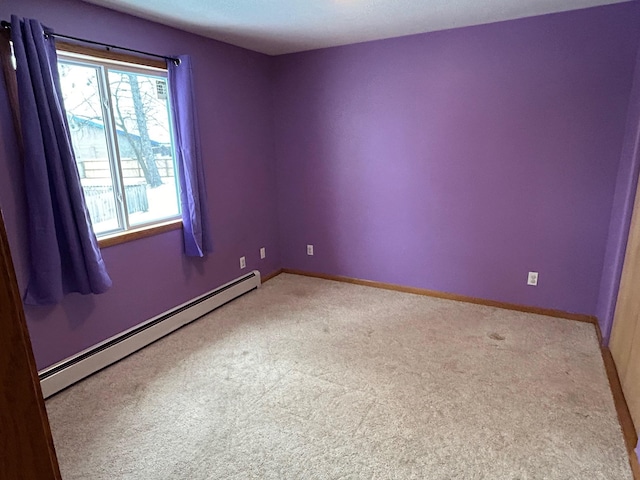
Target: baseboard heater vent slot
x,y
75,368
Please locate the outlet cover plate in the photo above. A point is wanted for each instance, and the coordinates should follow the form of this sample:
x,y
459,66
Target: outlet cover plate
x,y
532,279
309,249
243,262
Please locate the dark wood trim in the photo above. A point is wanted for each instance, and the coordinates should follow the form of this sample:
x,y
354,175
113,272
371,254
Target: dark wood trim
x,y
26,445
450,296
598,331
138,233
624,416
110,55
268,277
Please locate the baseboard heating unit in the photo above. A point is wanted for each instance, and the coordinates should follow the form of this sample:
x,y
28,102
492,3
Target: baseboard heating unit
x,y
75,368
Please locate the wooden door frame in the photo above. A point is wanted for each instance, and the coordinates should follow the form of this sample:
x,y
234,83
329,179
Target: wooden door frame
x,y
26,444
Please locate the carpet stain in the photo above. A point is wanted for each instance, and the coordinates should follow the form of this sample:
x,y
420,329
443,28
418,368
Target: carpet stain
x,y
496,336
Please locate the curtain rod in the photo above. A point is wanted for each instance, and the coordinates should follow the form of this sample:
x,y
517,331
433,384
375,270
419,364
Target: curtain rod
x,y
7,26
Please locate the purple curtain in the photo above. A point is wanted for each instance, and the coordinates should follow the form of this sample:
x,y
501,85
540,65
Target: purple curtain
x,y
193,194
64,253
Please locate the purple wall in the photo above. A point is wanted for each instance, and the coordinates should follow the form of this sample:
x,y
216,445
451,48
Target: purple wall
x,y
233,88
460,160
623,200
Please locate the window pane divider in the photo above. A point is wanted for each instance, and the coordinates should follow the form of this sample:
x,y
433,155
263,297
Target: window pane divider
x,y
116,162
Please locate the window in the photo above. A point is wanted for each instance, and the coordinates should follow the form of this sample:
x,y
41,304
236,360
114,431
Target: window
x,y
121,133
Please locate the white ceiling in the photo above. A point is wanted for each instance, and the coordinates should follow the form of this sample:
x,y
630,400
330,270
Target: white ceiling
x,y
284,26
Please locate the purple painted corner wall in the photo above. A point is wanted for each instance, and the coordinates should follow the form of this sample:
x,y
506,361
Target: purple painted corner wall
x,y
621,212
455,161
460,160
151,275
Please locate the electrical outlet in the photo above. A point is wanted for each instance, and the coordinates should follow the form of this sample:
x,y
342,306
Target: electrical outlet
x,y
309,249
263,252
532,279
243,262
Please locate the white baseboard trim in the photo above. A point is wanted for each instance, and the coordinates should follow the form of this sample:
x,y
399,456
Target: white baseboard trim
x,y
70,370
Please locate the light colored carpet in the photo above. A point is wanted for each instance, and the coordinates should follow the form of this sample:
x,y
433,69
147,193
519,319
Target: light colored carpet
x,y
313,379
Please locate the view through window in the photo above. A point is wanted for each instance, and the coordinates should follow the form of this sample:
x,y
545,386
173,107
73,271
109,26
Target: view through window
x,y
121,133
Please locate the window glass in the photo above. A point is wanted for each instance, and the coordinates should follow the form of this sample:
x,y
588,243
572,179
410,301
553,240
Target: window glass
x,y
144,145
81,95
122,136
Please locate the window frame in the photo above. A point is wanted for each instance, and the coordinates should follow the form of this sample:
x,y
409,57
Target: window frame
x,y
107,59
